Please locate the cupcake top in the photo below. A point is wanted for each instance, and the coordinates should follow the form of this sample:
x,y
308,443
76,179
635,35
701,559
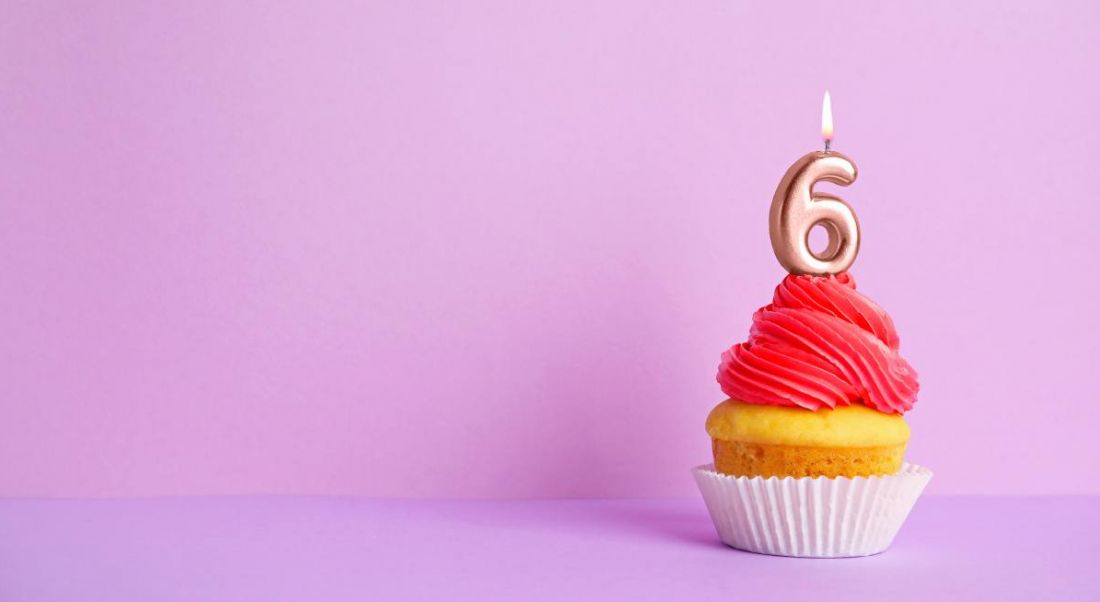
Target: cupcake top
x,y
852,426
818,344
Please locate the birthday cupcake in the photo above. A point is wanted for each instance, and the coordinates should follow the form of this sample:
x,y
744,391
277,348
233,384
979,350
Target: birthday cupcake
x,y
809,447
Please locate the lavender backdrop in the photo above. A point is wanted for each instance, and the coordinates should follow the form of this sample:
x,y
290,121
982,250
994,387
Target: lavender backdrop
x,y
425,249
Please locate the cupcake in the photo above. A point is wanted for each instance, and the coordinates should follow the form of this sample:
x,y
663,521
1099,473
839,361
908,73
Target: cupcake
x,y
809,447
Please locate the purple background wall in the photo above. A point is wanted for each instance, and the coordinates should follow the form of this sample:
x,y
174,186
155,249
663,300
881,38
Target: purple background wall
x,y
495,250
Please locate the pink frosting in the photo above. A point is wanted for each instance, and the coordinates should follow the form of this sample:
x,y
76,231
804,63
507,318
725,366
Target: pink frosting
x,y
820,343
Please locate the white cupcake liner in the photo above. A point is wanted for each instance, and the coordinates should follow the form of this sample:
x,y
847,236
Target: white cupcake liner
x,y
811,517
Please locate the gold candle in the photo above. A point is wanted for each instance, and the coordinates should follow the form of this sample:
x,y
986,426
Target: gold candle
x,y
796,209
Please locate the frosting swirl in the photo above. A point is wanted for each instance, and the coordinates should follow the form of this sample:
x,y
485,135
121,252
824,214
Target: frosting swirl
x,y
820,343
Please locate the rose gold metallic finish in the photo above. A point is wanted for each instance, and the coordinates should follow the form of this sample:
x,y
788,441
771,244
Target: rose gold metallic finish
x,y
796,209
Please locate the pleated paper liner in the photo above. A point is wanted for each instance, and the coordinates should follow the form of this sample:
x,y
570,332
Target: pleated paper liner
x,y
811,517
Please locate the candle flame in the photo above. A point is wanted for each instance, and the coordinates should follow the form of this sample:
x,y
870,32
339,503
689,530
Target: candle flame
x,y
827,118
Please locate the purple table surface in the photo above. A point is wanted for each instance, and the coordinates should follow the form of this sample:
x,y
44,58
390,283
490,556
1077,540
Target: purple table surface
x,y
323,549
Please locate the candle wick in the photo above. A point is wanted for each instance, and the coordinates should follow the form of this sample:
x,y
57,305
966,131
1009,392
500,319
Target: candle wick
x,y
828,143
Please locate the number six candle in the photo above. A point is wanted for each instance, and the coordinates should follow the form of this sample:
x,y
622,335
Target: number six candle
x,y
797,209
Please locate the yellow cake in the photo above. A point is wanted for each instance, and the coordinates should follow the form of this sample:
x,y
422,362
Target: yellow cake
x,y
769,440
